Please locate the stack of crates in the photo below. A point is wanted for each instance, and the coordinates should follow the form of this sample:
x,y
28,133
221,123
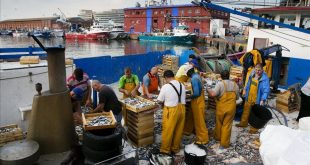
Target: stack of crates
x,y
169,62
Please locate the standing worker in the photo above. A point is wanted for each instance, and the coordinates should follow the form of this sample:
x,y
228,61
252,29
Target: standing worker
x,y
256,91
198,108
129,84
150,83
226,93
172,95
107,100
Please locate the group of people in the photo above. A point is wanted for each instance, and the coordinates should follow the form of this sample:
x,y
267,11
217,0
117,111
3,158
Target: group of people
x,y
177,120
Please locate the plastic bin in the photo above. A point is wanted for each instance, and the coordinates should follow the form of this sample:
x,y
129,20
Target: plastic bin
x,y
259,116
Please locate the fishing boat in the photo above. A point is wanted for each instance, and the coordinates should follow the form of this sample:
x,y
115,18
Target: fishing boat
x,y
117,32
96,32
6,32
179,34
19,33
58,33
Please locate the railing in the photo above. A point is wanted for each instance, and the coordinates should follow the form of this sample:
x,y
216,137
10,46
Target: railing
x,y
16,53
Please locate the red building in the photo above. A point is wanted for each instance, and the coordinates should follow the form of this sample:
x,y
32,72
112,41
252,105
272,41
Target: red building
x,y
147,19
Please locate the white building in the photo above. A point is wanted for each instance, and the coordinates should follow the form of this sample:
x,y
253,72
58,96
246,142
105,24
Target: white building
x,y
296,62
86,14
116,15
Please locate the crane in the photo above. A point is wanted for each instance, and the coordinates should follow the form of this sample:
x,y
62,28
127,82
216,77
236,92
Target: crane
x,y
63,19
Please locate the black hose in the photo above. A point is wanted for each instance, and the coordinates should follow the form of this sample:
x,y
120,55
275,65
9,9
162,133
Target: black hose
x,y
275,109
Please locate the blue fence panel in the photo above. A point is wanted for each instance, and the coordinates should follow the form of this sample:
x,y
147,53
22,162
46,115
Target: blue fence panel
x,y
175,13
148,20
96,67
184,56
109,70
16,53
298,71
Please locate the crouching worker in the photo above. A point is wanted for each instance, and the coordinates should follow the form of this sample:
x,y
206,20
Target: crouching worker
x,y
172,95
79,86
226,93
107,100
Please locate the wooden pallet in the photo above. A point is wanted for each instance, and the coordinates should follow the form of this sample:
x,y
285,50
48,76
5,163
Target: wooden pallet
x,y
141,127
87,117
6,137
286,102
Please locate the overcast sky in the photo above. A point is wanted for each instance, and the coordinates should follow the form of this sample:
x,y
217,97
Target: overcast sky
x,y
12,9
16,9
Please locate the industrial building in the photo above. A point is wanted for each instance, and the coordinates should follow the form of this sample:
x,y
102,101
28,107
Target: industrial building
x,y
148,19
115,15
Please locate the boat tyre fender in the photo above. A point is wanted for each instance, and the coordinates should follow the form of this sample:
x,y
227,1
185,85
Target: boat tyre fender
x,y
102,143
97,156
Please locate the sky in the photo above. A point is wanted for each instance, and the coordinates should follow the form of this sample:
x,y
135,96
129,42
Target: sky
x,y
19,9
15,9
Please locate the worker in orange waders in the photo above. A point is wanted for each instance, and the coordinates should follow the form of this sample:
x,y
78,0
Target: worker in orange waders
x,y
150,83
226,93
256,91
197,109
172,95
129,84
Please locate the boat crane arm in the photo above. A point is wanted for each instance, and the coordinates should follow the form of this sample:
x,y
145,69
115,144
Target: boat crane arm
x,y
208,4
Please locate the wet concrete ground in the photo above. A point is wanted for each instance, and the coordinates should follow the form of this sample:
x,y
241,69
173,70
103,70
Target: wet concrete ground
x,y
241,151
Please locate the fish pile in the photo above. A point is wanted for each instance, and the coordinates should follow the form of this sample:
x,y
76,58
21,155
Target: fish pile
x,y
6,130
86,109
79,130
100,121
137,103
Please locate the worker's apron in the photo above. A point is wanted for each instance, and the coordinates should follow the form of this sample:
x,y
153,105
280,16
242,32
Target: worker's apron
x,y
225,112
172,126
153,87
198,110
249,102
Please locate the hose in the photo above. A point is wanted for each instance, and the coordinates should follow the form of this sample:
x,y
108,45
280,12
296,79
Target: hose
x,y
273,111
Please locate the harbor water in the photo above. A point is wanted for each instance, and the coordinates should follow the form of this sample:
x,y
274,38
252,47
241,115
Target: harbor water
x,y
80,48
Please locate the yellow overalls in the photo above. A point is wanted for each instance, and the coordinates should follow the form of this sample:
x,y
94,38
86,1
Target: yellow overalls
x,y
129,86
249,102
225,112
172,127
198,110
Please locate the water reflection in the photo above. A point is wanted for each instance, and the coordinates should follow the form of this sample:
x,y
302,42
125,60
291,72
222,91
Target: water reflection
x,y
97,47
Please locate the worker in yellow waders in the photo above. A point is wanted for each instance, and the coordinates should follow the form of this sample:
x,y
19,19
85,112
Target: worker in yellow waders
x,y
181,73
129,84
172,95
198,108
226,93
256,91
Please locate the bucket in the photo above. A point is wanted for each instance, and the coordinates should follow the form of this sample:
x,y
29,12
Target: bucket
x,y
191,157
259,116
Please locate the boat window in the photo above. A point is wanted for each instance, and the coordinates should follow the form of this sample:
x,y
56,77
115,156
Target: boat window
x,y
288,19
305,22
266,25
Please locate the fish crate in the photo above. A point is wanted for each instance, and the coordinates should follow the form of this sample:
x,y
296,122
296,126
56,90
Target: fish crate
x,y
287,102
10,133
88,118
236,72
138,104
141,127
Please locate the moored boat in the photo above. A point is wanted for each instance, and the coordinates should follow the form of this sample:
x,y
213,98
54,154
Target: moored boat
x,y
117,32
95,33
179,34
18,33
